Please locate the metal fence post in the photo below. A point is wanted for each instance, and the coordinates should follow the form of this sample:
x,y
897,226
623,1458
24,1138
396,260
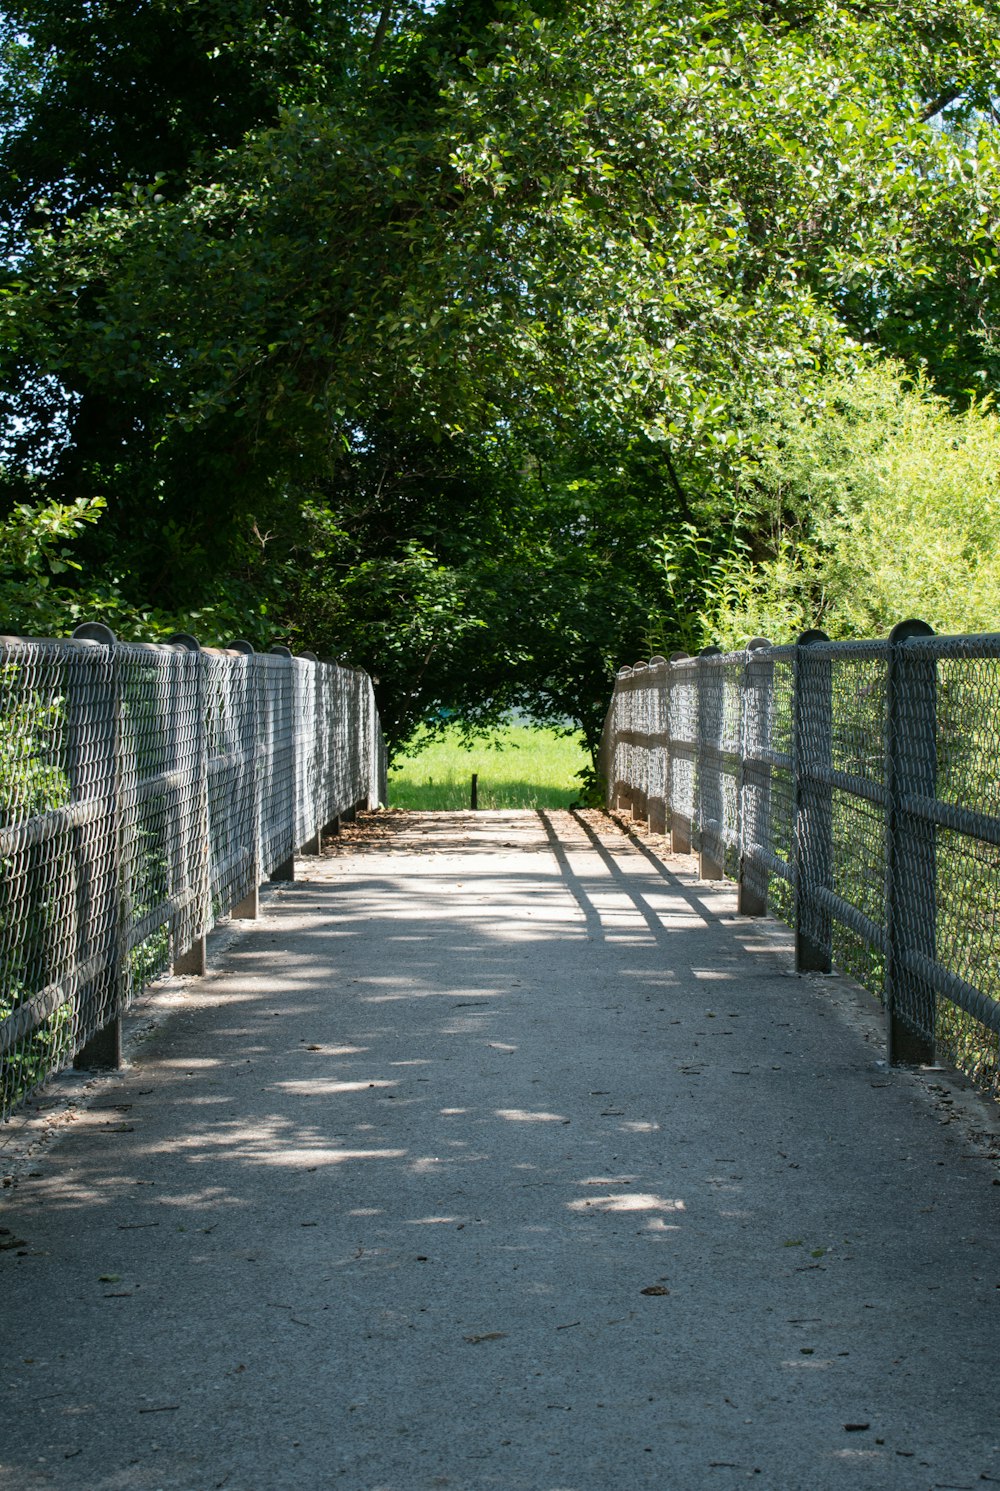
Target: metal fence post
x,y
372,796
607,750
711,693
248,909
332,694
621,791
285,870
639,772
756,698
190,961
93,709
680,823
812,753
911,861
316,777
353,743
379,763
656,802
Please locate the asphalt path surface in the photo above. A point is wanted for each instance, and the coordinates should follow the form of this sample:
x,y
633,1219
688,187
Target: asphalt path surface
x,y
501,1154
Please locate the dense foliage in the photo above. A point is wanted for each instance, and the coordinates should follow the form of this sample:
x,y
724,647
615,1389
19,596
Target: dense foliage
x,y
491,343
880,503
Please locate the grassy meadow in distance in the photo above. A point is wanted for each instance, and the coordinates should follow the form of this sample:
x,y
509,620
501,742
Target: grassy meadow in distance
x,y
522,766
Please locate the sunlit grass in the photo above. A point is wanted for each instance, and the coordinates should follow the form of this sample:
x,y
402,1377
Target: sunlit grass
x,y
522,766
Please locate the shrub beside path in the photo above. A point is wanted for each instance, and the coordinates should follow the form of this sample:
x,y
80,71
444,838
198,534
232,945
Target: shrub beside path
x,y
500,1154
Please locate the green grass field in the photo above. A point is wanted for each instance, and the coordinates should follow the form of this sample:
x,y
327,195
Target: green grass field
x,y
523,767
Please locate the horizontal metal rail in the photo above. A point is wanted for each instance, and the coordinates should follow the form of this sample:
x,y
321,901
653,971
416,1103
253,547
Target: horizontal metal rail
x,y
32,833
43,1005
956,990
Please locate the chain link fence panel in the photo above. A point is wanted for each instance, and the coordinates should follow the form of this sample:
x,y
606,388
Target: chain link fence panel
x,y
851,788
146,791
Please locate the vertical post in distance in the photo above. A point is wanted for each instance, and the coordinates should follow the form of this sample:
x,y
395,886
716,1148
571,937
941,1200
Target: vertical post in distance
x,y
621,791
191,960
812,752
680,823
639,773
285,870
248,909
656,803
94,767
911,860
711,690
756,699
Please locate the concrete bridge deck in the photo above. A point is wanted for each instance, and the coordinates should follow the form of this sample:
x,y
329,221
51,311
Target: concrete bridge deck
x,y
500,1154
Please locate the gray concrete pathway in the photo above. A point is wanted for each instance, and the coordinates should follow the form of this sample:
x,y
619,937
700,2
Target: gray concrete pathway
x,y
500,1156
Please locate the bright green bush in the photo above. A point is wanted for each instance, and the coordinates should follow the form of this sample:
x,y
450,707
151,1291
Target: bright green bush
x,y
873,504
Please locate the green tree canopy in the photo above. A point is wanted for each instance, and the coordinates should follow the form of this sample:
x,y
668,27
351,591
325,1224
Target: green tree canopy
x,y
445,336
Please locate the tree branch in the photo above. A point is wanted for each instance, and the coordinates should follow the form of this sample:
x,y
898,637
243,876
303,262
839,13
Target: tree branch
x,y
941,102
380,31
678,489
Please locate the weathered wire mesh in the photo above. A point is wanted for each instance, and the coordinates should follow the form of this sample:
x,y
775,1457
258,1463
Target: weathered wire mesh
x,y
682,751
852,788
145,792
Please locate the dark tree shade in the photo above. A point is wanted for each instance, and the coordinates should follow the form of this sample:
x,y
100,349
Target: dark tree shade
x,y
100,95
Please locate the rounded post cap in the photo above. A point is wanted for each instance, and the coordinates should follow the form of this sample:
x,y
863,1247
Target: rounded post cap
x,y
185,640
95,631
756,643
242,645
810,635
904,630
679,657
280,651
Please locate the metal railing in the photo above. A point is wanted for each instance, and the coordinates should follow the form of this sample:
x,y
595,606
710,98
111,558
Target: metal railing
x,y
853,788
146,791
